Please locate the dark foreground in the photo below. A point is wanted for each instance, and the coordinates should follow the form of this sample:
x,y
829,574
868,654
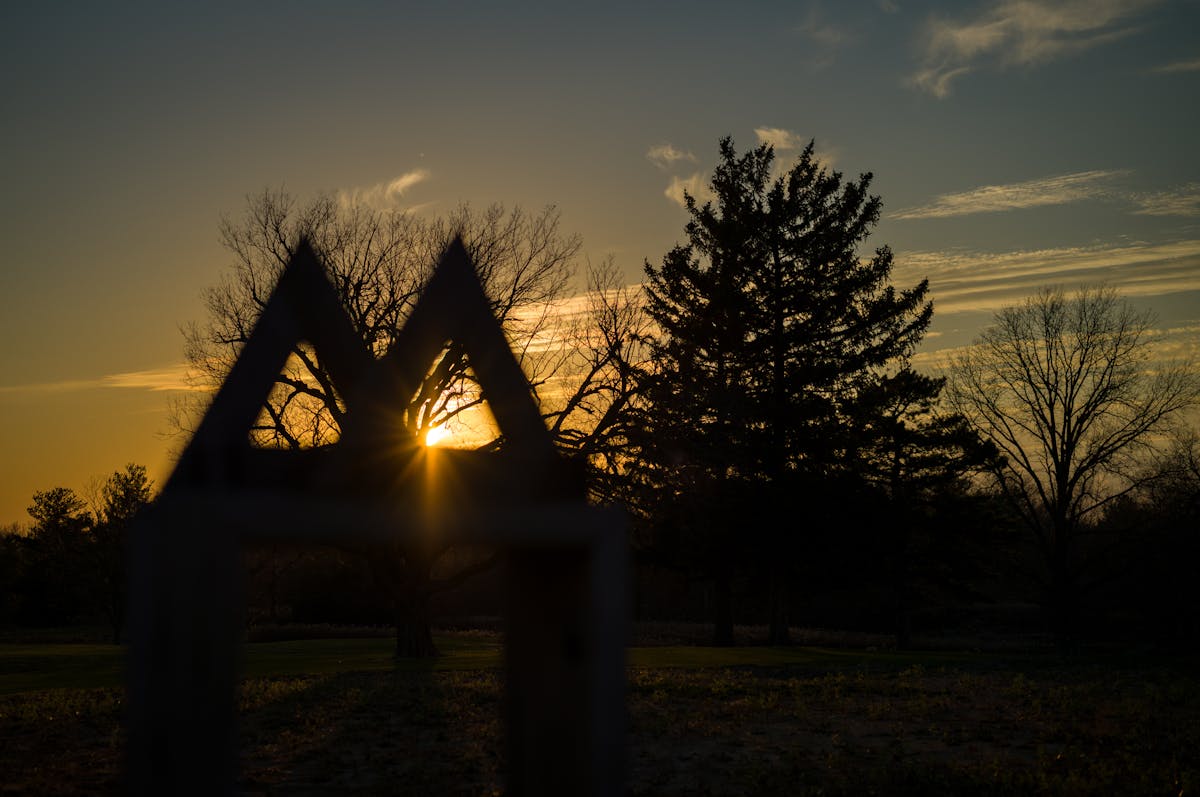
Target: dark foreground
x,y
886,726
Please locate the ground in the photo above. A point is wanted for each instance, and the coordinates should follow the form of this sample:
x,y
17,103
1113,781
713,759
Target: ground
x,y
829,720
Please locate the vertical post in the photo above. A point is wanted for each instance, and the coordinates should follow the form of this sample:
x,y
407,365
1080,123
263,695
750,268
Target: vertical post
x,y
185,591
610,615
546,656
565,660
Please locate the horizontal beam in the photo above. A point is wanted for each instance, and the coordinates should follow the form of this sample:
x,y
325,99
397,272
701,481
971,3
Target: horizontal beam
x,y
268,516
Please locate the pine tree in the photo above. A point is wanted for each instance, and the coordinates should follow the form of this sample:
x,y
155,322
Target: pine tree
x,y
770,322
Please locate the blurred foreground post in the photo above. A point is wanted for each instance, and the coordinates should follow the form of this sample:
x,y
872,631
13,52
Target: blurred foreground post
x,y
566,561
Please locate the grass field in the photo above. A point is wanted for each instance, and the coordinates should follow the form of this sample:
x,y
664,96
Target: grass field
x,y
339,716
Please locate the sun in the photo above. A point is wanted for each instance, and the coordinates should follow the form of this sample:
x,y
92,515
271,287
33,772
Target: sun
x,y
436,434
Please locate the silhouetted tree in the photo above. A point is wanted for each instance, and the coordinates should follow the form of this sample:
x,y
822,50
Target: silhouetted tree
x,y
58,572
13,565
1167,587
920,460
592,400
122,496
379,261
1146,588
1066,388
769,323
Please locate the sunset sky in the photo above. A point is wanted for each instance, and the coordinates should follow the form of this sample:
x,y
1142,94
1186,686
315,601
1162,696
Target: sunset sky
x,y
1014,144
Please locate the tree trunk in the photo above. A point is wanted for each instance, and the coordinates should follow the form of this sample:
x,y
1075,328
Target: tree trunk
x,y
900,590
117,617
779,631
723,607
405,575
903,619
414,637
1063,596
1064,614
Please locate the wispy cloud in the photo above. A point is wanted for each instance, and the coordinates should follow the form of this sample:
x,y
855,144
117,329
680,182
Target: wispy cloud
x,y
1020,33
782,140
386,194
171,377
779,138
1183,201
556,324
936,79
1058,190
1173,343
1182,343
822,39
665,155
820,31
1178,66
987,281
167,378
695,185
62,386
788,141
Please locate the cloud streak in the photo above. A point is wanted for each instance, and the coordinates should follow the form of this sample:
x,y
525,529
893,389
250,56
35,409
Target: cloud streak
x,y
1182,201
822,38
779,138
1174,343
819,31
386,194
696,184
167,378
1178,66
783,140
1020,33
987,281
666,155
1057,190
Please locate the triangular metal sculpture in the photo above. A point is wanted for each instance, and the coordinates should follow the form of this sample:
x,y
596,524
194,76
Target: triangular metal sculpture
x,y
454,307
566,561
305,306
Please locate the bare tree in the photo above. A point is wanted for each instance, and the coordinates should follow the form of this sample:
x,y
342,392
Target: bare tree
x,y
594,387
1067,389
379,261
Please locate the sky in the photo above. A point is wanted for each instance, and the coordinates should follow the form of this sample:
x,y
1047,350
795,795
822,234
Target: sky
x,y
1014,145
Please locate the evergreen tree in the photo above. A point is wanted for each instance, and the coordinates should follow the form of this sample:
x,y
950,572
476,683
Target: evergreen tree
x,y
919,462
56,586
770,324
123,495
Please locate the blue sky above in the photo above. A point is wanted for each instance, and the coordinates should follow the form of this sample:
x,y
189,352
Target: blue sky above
x,y
1014,144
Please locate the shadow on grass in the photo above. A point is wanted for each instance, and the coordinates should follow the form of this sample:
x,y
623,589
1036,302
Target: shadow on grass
x,y
339,716
411,731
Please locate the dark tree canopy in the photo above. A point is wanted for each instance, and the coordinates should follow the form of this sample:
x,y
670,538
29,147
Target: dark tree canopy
x,y
122,496
770,323
770,319
57,575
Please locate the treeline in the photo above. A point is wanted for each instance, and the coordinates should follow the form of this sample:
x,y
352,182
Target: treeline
x,y
755,408
69,565
970,569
